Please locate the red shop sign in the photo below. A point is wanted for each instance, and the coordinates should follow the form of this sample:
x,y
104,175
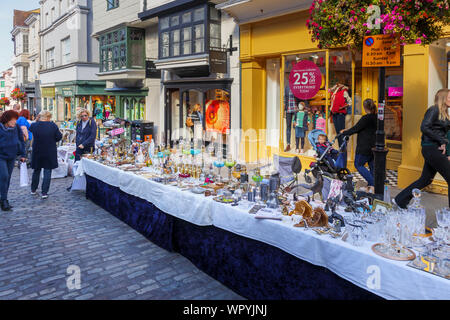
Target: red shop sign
x,y
305,80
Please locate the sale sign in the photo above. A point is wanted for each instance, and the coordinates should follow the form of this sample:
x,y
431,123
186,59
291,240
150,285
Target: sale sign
x,y
116,132
305,80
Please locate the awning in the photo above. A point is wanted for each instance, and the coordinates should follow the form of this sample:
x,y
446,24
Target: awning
x,y
246,11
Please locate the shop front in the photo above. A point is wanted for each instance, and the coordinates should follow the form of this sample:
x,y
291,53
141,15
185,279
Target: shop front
x,y
49,101
270,49
197,106
74,95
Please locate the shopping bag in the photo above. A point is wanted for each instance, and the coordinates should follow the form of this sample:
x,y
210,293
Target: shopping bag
x,y
24,174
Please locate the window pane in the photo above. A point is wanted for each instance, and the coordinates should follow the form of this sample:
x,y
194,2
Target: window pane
x,y
186,18
164,23
187,33
199,46
214,30
122,35
214,13
199,31
174,21
187,47
215,43
123,56
165,44
199,14
176,42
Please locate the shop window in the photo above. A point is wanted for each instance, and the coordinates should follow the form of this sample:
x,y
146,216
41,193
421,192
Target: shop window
x,y
272,102
123,48
315,108
393,112
190,32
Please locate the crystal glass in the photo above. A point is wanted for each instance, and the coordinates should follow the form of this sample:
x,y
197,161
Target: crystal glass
x,y
229,163
439,234
356,234
219,164
443,218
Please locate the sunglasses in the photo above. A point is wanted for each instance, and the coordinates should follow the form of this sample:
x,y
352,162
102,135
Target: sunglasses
x,y
84,116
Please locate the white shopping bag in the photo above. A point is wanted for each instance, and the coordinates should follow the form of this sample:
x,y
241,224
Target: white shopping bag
x,y
24,175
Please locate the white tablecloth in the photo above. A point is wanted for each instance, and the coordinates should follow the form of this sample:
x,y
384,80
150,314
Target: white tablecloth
x,y
355,264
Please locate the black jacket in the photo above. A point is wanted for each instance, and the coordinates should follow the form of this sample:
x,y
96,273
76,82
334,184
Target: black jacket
x,y
87,136
434,130
365,128
45,136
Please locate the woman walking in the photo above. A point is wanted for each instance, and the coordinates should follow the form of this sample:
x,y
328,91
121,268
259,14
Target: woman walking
x,y
365,128
434,127
44,156
24,124
86,134
11,145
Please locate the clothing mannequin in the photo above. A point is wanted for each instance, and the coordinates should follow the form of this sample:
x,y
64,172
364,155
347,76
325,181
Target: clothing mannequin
x,y
340,100
290,108
300,120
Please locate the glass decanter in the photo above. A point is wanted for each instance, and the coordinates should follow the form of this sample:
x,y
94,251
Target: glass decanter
x,y
418,211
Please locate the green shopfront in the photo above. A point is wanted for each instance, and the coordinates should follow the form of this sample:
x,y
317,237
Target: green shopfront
x,y
104,103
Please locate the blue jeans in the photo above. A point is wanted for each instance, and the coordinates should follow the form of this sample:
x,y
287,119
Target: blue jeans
x,y
45,182
6,169
360,161
339,124
289,117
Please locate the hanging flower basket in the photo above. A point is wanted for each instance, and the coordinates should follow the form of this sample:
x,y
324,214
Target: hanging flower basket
x,y
4,101
338,23
17,94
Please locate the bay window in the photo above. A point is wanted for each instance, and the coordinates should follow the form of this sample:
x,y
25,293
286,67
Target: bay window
x,y
189,32
122,49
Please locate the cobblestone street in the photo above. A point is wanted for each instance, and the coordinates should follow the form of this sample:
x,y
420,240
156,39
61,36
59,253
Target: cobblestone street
x,y
39,239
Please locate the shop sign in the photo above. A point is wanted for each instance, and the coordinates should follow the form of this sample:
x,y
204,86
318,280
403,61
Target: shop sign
x,y
150,70
305,80
65,91
395,92
379,51
48,92
218,61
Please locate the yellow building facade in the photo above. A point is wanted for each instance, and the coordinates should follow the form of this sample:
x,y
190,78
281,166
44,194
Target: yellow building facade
x,y
268,49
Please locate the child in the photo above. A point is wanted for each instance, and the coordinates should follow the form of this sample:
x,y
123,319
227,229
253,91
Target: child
x,y
321,145
300,121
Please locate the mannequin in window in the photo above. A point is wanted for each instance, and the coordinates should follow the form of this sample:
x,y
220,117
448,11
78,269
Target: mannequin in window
x,y
301,121
290,108
340,101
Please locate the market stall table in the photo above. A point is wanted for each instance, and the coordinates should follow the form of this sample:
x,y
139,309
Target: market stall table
x,y
274,259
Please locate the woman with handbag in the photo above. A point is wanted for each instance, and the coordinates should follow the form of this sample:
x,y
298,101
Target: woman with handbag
x,y
44,155
435,126
86,134
11,145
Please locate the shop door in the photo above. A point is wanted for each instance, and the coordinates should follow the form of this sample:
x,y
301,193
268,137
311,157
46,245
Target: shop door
x,y
393,109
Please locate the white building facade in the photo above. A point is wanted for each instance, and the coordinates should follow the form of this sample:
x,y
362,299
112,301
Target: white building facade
x,y
69,58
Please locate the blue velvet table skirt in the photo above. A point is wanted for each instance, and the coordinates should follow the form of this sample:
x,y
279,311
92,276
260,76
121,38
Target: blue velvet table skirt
x,y
253,269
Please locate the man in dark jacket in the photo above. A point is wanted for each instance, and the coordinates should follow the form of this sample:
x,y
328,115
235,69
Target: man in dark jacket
x,y
11,145
86,134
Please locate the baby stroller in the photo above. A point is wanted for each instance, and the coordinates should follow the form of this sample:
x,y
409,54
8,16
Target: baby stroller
x,y
334,169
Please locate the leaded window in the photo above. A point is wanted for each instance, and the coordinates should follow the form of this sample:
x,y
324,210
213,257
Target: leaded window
x,y
122,49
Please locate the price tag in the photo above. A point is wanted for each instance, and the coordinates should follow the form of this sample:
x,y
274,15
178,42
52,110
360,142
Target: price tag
x,y
116,132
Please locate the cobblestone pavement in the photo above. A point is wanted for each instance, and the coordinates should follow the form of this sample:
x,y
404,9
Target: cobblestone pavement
x,y
41,238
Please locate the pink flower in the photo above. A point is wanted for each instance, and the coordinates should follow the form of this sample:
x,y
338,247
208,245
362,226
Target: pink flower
x,y
363,10
418,41
407,28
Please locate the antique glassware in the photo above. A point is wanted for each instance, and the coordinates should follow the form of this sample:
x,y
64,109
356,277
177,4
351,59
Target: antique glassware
x,y
229,163
419,212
